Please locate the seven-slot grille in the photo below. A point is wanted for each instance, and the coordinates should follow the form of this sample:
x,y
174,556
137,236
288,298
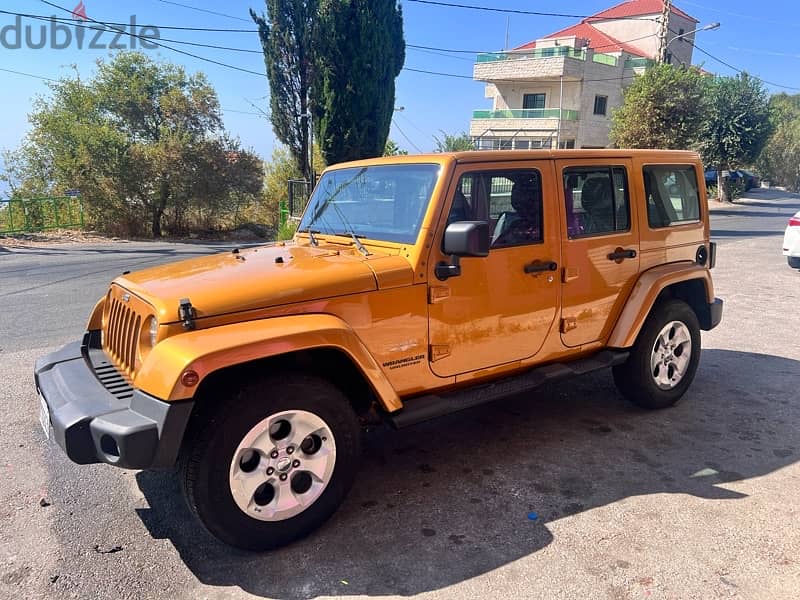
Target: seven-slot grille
x,y
123,328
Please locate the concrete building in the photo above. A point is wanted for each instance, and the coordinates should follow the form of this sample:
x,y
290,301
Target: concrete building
x,y
558,91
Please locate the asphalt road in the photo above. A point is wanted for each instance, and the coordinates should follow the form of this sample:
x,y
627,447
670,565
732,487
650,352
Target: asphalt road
x,y
699,501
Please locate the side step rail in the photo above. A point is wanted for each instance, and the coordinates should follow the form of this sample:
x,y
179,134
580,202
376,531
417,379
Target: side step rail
x,y
425,408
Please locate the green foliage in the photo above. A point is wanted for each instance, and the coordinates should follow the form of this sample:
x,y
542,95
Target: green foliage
x,y
392,149
277,174
287,230
143,142
454,142
664,108
286,38
737,124
359,51
779,161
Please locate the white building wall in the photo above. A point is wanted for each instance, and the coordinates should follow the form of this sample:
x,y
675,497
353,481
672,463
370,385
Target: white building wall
x,y
631,30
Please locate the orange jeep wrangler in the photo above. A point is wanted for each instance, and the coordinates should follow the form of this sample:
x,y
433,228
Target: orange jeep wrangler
x,y
416,286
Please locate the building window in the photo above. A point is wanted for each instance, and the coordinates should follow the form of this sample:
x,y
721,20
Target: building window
x,y
669,58
522,144
505,144
533,101
566,144
680,33
600,105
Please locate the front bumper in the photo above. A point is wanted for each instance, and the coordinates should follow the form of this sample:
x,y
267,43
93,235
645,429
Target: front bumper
x,y
98,417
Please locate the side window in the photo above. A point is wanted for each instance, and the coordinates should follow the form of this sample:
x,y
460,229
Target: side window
x,y
510,201
672,195
515,208
597,200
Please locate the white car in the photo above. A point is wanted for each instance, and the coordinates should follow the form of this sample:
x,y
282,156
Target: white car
x,y
791,241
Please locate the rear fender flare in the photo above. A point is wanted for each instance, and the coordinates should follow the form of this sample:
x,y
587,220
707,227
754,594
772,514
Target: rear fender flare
x,y
205,351
645,293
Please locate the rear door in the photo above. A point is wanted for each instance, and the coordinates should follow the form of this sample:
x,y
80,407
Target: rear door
x,y
600,246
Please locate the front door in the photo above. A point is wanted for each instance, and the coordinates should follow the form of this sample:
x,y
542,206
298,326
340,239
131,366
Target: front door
x,y
501,307
600,248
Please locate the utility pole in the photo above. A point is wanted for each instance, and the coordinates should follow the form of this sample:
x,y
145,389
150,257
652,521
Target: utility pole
x,y
663,31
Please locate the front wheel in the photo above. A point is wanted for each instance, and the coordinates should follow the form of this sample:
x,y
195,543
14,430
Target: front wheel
x,y
273,463
664,359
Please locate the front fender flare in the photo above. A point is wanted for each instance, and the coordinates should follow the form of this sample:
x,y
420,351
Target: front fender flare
x,y
208,350
645,293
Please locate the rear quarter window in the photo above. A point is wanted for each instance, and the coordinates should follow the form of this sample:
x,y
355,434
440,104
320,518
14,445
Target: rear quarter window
x,y
672,195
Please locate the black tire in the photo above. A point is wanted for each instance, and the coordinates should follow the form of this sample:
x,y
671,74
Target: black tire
x,y
636,380
794,261
205,464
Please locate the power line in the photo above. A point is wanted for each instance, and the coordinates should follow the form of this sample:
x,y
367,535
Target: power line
x,y
203,10
408,139
28,75
738,70
150,40
519,12
107,28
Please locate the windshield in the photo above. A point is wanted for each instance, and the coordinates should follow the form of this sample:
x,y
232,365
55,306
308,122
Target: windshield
x,y
385,202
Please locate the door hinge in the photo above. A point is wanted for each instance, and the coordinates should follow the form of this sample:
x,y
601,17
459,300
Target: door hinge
x,y
438,352
437,293
568,324
569,274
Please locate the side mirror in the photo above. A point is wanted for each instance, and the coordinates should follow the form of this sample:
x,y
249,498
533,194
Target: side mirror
x,y
467,238
463,239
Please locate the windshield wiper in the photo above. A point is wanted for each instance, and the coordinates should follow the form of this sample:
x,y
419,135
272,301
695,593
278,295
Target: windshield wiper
x,y
311,238
356,241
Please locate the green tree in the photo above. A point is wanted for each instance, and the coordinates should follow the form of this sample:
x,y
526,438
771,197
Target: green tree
x,y
359,51
143,142
286,32
664,108
779,161
737,126
392,149
454,142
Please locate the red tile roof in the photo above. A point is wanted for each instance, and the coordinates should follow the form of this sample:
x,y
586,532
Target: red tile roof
x,y
602,42
598,41
637,8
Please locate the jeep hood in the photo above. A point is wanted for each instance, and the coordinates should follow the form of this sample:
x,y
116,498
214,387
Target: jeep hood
x,y
264,277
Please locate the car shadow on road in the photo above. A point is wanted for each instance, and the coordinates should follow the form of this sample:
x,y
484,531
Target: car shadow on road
x,y
452,499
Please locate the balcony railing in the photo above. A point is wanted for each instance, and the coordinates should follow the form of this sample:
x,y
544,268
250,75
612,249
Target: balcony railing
x,y
556,51
639,63
535,53
527,113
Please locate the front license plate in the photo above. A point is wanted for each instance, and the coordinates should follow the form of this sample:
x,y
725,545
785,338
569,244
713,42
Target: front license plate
x,y
44,416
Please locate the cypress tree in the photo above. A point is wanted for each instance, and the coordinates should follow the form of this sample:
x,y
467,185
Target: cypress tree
x,y
359,51
286,36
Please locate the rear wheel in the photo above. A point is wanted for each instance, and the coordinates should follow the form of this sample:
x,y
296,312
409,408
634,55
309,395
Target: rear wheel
x,y
664,359
272,464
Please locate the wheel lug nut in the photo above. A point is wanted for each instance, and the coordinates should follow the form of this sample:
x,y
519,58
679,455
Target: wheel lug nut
x,y
296,464
283,476
270,470
274,454
290,450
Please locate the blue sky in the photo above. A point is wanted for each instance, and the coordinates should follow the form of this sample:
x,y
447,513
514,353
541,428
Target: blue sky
x,y
752,37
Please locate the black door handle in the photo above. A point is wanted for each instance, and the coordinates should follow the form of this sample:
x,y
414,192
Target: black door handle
x,y
620,254
539,266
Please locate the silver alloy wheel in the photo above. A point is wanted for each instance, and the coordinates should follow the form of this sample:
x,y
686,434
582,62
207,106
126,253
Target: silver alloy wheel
x,y
671,354
282,465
